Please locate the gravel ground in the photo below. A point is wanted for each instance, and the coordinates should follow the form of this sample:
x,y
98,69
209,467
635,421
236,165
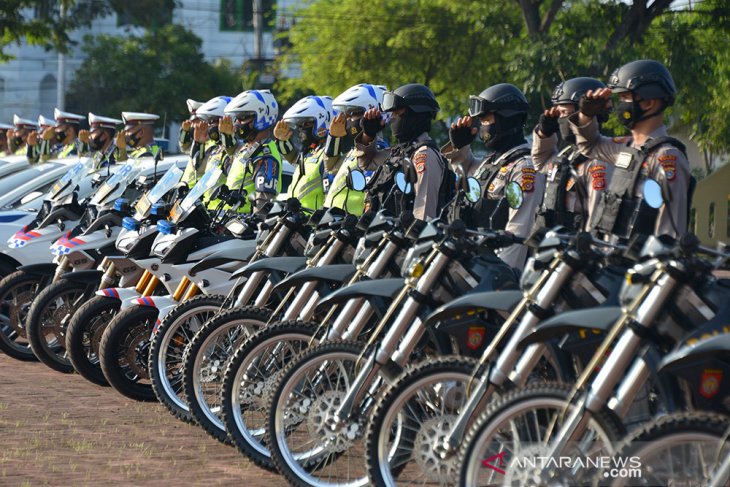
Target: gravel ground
x,y
58,429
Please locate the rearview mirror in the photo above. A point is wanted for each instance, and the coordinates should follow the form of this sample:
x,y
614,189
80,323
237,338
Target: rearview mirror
x,y
653,194
474,190
513,193
402,184
356,180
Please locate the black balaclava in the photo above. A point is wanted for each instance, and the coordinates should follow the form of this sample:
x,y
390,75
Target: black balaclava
x,y
410,125
504,134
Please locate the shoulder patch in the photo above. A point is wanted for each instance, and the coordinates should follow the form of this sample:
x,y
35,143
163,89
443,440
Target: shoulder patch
x,y
598,177
669,164
419,161
528,179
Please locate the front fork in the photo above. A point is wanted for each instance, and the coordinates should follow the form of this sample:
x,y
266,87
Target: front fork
x,y
406,330
641,313
63,266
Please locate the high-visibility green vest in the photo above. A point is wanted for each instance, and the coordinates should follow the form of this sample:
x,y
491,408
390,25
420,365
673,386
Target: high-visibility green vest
x,y
243,169
339,196
308,187
191,174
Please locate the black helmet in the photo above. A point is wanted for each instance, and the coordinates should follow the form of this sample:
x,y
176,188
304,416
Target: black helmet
x,y
415,96
570,91
503,99
647,78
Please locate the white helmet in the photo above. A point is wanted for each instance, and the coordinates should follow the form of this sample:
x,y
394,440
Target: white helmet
x,y
316,108
260,104
362,97
213,108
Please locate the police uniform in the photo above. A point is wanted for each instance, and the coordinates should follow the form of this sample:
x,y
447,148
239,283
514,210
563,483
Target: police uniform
x,y
98,122
666,164
307,181
339,195
591,179
5,127
50,149
494,173
132,119
428,165
185,138
256,169
31,152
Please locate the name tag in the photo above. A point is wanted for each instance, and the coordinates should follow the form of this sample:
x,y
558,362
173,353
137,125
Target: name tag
x,y
624,160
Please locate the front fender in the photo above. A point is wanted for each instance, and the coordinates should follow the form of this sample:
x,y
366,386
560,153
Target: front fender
x,y
241,253
329,273
38,269
89,276
717,347
286,265
475,302
123,294
599,318
377,288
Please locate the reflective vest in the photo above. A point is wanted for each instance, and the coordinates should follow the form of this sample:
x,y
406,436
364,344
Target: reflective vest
x,y
339,195
308,187
244,168
192,173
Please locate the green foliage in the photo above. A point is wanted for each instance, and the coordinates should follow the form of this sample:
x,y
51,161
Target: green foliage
x,y
460,48
155,72
39,22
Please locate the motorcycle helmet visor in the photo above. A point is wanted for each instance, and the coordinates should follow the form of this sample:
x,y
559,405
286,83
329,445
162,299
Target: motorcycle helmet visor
x,y
350,110
300,123
391,101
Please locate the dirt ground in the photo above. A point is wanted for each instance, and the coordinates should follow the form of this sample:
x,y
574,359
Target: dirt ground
x,y
61,430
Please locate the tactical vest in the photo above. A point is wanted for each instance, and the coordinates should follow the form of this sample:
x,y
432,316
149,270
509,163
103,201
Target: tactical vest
x,y
339,195
306,183
381,185
492,214
553,212
619,212
241,174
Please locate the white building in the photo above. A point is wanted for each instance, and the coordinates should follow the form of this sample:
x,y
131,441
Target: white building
x,y
28,84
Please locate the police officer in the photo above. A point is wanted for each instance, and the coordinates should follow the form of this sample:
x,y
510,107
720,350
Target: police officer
x,y
645,88
207,149
574,183
18,138
185,139
63,139
498,116
309,119
4,148
138,137
246,131
412,108
101,136
342,155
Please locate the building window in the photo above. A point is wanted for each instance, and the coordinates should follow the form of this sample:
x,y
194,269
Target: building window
x,y
711,221
727,225
237,15
693,220
47,95
143,13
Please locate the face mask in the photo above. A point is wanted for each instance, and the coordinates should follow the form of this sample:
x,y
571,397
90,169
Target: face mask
x,y
306,137
244,131
410,125
353,127
565,133
213,133
488,134
133,139
60,136
96,143
629,112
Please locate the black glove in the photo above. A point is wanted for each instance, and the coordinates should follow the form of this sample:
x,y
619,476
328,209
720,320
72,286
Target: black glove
x,y
461,136
547,126
592,107
371,126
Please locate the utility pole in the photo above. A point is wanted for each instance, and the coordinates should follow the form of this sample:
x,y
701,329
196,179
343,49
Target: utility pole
x,y
258,36
61,80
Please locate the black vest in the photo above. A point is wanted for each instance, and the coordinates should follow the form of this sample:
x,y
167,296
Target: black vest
x,y
553,212
619,212
492,214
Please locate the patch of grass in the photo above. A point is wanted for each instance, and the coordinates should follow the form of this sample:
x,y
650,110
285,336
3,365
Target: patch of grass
x,y
81,446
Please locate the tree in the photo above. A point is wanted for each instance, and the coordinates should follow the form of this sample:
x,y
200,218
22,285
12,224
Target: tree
x,y
40,22
155,72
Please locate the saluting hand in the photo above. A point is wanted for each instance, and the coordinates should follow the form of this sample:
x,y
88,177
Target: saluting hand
x,y
338,126
282,131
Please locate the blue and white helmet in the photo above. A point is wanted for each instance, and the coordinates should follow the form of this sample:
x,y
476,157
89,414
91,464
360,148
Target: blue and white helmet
x,y
363,96
316,108
213,108
260,104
